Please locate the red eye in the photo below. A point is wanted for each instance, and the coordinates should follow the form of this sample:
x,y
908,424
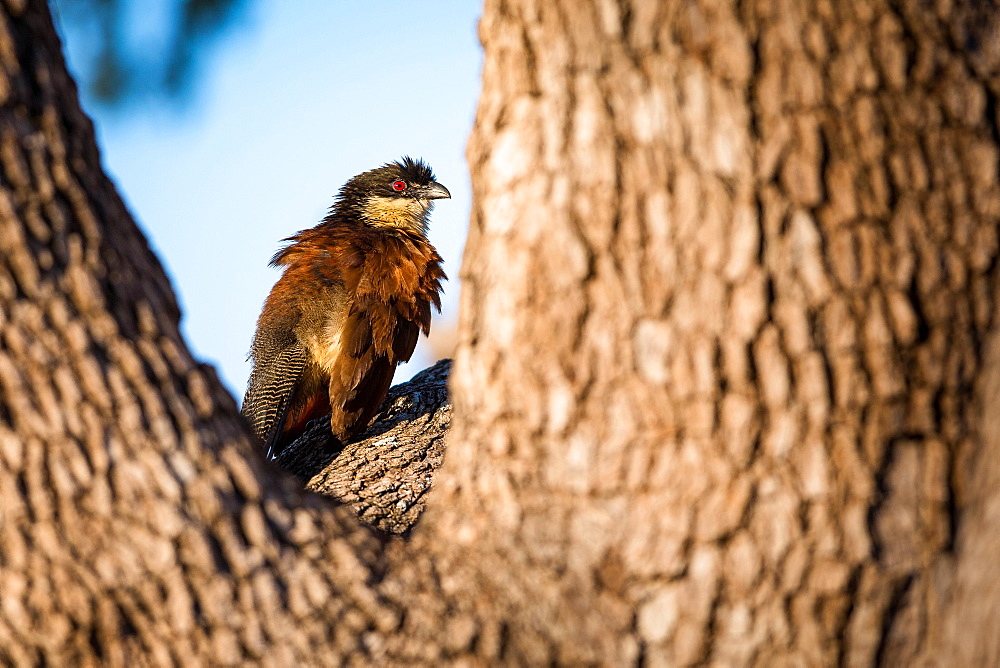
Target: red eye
x,y
399,185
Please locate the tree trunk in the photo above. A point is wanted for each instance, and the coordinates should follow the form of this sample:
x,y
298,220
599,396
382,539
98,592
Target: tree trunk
x,y
727,346
138,525
726,390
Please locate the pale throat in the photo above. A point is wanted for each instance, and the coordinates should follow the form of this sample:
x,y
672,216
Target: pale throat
x,y
400,212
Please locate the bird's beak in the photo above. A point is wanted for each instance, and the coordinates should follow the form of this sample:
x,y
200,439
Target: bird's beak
x,y
435,190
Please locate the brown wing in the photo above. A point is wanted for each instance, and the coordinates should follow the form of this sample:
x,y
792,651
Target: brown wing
x,y
360,404
363,373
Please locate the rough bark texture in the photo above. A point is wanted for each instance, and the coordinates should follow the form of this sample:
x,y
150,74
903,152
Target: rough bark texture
x,y
757,245
387,472
726,389
139,527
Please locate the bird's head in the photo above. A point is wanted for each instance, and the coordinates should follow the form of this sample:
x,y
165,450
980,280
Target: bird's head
x,y
398,194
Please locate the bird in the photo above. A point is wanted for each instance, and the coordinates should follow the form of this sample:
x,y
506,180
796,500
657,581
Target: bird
x,y
355,292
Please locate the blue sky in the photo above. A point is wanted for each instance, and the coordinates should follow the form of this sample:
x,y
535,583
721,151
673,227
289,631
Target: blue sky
x,y
294,99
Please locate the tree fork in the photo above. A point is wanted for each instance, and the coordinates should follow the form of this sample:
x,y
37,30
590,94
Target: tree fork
x,y
725,390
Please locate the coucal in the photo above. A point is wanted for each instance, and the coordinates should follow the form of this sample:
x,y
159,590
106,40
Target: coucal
x,y
356,291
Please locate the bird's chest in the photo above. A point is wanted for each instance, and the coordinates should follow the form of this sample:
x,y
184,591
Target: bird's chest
x,y
379,311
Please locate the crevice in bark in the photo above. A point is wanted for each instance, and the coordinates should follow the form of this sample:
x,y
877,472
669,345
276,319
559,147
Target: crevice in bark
x,y
879,498
897,603
923,328
992,114
851,591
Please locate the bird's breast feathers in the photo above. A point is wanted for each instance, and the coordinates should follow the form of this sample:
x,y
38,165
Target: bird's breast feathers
x,y
386,283
324,344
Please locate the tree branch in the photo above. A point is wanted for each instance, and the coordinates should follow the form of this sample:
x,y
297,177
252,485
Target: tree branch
x,y
385,474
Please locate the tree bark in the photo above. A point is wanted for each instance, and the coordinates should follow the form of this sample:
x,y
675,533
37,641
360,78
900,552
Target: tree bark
x,y
725,390
138,525
386,473
728,300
